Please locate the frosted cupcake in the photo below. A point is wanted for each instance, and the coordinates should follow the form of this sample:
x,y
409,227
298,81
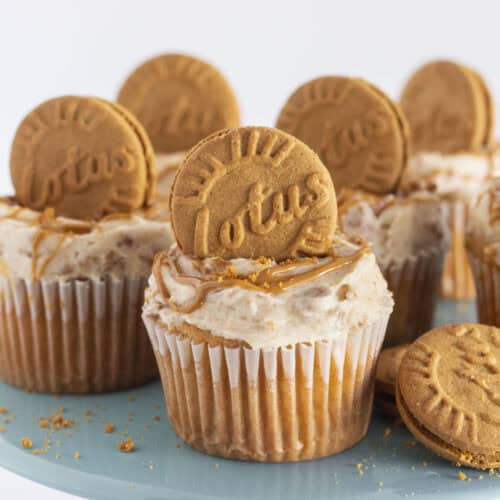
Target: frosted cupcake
x,y
266,327
451,115
78,243
180,100
457,179
483,244
410,238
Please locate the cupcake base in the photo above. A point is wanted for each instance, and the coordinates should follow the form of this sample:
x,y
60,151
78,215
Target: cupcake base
x,y
415,288
487,279
76,336
293,403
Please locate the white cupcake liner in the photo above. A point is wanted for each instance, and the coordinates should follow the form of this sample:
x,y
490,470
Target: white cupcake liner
x,y
75,336
287,404
457,282
487,279
415,288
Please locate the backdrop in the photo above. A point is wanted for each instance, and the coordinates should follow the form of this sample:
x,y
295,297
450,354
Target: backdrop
x,y
265,48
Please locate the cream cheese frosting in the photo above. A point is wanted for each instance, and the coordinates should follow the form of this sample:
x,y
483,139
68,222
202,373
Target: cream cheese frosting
x,y
265,304
483,230
39,246
398,228
166,168
454,175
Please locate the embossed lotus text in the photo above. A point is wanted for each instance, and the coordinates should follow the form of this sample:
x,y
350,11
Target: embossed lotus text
x,y
78,172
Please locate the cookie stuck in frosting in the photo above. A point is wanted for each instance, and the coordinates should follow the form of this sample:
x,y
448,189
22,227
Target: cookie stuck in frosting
x,y
251,192
84,157
180,100
358,132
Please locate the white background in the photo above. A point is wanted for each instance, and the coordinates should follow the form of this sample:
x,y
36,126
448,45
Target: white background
x,y
265,49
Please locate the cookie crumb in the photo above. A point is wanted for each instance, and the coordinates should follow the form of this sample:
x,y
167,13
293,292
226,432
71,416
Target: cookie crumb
x,y
387,431
130,398
26,443
156,418
178,446
109,429
3,410
2,429
216,466
462,476
410,444
58,456
127,446
76,455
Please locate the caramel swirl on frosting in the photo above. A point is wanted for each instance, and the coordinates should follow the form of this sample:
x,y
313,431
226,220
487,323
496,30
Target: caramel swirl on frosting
x,y
272,279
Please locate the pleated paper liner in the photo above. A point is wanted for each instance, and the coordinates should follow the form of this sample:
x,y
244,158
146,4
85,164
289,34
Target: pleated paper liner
x,y
487,278
75,336
457,283
293,403
415,288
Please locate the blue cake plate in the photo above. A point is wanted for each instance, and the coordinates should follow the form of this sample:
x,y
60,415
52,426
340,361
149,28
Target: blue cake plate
x,y
387,464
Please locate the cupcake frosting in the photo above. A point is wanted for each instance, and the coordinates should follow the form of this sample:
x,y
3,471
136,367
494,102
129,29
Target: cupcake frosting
x,y
40,246
398,227
455,175
265,304
483,235
167,165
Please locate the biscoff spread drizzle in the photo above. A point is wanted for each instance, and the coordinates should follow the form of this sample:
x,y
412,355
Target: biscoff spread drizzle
x,y
273,280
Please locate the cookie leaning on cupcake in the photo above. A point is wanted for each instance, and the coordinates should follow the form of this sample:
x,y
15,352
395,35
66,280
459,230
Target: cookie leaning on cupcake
x,y
179,99
362,137
266,324
450,112
78,243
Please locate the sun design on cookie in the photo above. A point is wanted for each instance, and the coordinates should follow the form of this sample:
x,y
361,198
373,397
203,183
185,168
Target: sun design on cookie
x,y
211,168
423,362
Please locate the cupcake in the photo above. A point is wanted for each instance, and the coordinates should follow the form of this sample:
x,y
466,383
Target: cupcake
x,y
483,245
363,138
266,323
450,112
179,99
410,238
78,243
457,180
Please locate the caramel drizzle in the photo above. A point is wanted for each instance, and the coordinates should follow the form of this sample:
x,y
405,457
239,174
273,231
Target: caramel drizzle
x,y
271,280
37,241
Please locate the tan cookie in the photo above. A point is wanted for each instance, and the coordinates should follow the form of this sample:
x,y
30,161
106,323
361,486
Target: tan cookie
x,y
358,132
179,100
252,192
84,157
448,393
449,108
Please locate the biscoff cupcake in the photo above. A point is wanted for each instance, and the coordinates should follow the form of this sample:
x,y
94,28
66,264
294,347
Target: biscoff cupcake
x,y
266,324
451,115
78,243
483,245
457,179
410,238
179,99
